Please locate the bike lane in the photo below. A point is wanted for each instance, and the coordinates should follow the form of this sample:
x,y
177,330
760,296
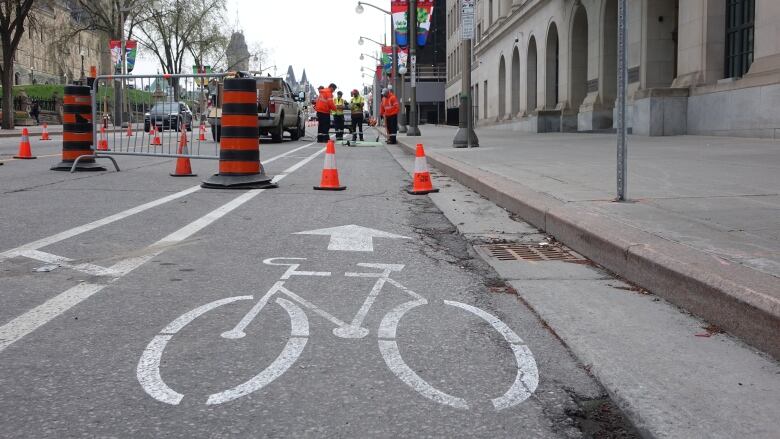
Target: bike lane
x,y
90,372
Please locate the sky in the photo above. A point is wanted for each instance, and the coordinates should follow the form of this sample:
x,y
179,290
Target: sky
x,y
318,35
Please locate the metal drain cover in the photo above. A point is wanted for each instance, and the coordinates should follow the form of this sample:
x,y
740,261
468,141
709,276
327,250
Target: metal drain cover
x,y
529,252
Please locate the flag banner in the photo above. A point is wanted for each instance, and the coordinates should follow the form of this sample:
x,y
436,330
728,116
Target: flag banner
x,y
378,73
387,59
400,13
424,14
131,50
115,46
403,58
131,46
201,70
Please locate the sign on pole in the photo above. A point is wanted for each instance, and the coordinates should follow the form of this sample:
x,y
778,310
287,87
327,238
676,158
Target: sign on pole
x,y
467,19
414,70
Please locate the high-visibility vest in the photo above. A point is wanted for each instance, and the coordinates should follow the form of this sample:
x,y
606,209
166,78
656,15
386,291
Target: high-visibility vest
x,y
390,106
339,103
324,103
357,104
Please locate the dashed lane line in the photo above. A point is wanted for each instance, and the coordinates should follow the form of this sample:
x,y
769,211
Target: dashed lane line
x,y
44,242
28,322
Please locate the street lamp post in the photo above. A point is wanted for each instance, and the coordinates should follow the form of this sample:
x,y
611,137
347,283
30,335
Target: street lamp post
x,y
466,137
81,52
413,129
397,79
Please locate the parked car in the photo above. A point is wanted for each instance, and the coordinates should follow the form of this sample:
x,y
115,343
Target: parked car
x,y
168,115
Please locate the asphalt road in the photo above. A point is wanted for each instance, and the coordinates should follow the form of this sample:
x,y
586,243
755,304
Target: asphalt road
x,y
167,310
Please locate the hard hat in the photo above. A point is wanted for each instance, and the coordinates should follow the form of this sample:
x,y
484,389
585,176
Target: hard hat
x,y
333,86
355,91
384,91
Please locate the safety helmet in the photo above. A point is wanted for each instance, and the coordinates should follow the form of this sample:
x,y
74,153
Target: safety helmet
x,y
384,92
354,91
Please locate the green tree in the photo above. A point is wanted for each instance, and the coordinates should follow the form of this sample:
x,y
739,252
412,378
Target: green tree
x,y
13,15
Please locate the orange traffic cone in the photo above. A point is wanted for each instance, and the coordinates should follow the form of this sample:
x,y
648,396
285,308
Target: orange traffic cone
x,y
330,175
183,167
45,132
421,184
202,132
103,142
155,135
25,152
129,130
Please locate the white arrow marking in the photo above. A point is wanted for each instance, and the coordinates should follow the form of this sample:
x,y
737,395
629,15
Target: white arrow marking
x,y
352,238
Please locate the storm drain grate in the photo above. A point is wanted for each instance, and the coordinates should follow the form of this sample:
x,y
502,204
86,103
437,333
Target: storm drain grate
x,y
529,252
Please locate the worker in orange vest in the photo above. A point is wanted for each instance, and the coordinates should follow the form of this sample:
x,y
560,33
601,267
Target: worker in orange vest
x,y
389,110
323,106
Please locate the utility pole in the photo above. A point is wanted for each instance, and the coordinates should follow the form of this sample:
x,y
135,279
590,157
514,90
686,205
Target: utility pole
x,y
622,148
466,137
412,129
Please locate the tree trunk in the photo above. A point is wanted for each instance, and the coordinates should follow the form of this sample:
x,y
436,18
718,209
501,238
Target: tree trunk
x,y
8,94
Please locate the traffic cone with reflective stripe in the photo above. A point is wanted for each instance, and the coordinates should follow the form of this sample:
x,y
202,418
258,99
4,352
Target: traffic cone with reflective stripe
x,y
202,132
183,167
25,152
421,183
45,132
103,142
155,135
330,175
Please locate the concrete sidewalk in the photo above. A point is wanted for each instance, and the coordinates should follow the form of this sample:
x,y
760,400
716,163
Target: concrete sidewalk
x,y
702,228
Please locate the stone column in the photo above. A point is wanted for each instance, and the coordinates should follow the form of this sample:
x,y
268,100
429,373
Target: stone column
x,y
702,37
766,58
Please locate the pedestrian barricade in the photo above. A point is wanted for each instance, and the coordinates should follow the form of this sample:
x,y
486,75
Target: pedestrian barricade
x,y
157,109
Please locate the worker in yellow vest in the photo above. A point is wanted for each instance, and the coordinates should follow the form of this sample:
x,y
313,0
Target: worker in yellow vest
x,y
356,110
338,115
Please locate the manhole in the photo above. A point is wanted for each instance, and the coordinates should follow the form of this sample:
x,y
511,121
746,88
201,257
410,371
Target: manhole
x,y
529,252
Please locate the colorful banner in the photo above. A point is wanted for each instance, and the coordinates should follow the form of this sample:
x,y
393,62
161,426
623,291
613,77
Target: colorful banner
x,y
387,59
131,50
400,13
424,14
403,58
196,70
131,46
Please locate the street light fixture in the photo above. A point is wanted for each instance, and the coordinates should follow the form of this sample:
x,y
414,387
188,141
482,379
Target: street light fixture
x,y
363,55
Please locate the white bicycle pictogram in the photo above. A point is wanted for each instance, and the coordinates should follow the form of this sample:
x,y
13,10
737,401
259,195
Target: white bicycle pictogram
x,y
148,370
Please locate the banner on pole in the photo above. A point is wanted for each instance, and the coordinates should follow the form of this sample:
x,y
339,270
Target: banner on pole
x,y
196,70
467,19
131,46
403,57
387,59
131,50
400,13
424,14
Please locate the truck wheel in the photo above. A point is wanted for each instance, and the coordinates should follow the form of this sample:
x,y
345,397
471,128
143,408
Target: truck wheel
x,y
295,133
278,134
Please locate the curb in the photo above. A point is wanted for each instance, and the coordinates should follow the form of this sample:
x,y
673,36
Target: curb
x,y
740,300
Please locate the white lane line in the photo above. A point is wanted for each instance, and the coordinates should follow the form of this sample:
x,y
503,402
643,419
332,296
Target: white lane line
x,y
35,245
299,333
42,314
86,268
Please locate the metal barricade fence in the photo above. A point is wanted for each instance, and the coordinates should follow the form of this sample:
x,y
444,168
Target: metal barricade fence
x,y
145,115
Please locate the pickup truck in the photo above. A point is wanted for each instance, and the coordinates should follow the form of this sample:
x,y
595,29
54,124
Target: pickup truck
x,y
278,109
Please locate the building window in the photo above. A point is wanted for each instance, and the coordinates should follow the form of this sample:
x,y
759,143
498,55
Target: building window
x,y
740,25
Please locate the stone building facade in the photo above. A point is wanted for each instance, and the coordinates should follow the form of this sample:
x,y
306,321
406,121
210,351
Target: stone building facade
x,y
708,67
50,51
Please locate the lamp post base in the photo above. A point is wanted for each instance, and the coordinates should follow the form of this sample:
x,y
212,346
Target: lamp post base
x,y
461,139
413,131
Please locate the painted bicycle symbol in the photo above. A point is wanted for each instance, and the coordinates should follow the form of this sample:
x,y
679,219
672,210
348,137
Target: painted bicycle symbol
x,y
148,370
